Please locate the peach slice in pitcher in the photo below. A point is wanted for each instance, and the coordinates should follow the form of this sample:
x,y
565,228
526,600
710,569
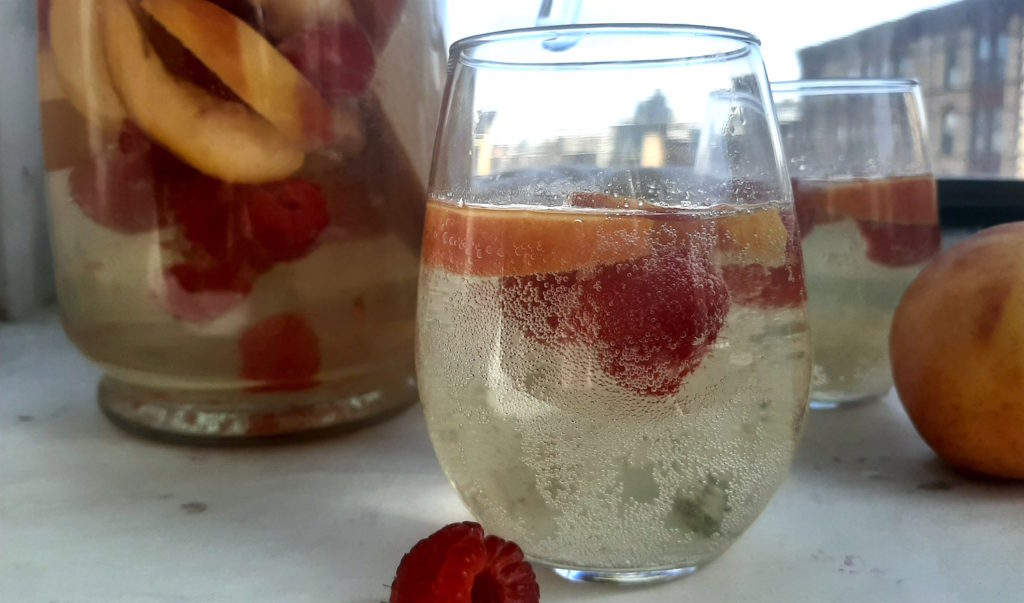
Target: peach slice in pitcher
x,y
221,138
74,30
257,72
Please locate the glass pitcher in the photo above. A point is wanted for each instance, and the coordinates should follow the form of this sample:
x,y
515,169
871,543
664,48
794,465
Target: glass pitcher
x,y
236,191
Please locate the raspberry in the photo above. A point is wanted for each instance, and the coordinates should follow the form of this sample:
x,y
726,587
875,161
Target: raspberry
x,y
116,188
507,578
761,287
656,317
281,350
651,319
203,209
897,245
266,223
201,293
284,218
335,57
232,233
457,563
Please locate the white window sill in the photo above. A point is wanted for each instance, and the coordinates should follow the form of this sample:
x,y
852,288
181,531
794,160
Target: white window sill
x,y
89,514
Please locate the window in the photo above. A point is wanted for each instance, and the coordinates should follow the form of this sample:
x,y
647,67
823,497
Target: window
x,y
977,133
952,79
984,48
949,124
995,134
964,53
990,59
1002,49
904,68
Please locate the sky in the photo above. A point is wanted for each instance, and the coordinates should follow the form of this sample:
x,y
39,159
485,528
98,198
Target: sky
x,y
784,26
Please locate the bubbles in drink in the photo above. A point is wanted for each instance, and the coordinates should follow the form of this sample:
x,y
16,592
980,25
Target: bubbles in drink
x,y
599,402
863,241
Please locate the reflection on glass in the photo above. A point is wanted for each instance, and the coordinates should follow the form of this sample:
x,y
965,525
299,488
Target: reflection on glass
x,y
865,199
612,348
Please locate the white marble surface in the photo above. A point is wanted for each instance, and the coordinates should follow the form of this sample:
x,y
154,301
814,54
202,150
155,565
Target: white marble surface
x,y
89,514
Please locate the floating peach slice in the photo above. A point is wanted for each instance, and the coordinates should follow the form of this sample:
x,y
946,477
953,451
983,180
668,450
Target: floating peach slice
x,y
896,201
218,137
510,242
254,70
287,17
79,62
758,236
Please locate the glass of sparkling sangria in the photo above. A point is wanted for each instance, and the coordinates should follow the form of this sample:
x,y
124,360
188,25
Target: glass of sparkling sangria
x,y
868,215
612,345
236,191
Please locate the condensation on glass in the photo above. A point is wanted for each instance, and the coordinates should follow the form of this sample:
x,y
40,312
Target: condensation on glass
x,y
869,221
612,344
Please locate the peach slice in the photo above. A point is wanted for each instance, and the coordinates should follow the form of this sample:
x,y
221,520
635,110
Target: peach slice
x,y
758,236
287,17
516,242
254,70
79,62
895,201
218,137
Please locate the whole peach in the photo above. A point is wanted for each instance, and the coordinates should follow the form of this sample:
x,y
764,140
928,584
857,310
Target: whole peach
x,y
957,349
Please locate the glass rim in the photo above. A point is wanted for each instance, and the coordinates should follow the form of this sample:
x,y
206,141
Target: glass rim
x,y
457,51
852,85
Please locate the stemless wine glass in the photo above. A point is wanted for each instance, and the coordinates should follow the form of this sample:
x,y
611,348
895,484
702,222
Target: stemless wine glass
x,y
866,202
612,349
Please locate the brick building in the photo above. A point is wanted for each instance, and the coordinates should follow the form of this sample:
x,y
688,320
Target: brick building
x,y
968,58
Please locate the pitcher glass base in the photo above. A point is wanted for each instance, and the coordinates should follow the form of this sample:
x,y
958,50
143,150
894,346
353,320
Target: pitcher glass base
x,y
239,417
625,577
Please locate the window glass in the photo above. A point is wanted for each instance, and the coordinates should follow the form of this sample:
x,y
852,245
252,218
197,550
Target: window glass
x,y
949,127
966,54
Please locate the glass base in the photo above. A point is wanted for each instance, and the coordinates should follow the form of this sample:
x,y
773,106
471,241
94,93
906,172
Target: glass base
x,y
625,577
238,417
832,402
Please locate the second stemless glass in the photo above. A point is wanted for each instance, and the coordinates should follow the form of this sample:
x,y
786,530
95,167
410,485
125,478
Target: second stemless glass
x,y
865,198
612,349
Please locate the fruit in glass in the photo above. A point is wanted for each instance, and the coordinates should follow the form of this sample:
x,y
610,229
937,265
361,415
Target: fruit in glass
x,y
866,203
864,241
611,388
612,345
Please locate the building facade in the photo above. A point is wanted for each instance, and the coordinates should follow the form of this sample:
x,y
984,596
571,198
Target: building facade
x,y
967,57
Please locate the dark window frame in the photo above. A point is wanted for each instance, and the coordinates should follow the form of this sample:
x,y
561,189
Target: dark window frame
x,y
978,202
